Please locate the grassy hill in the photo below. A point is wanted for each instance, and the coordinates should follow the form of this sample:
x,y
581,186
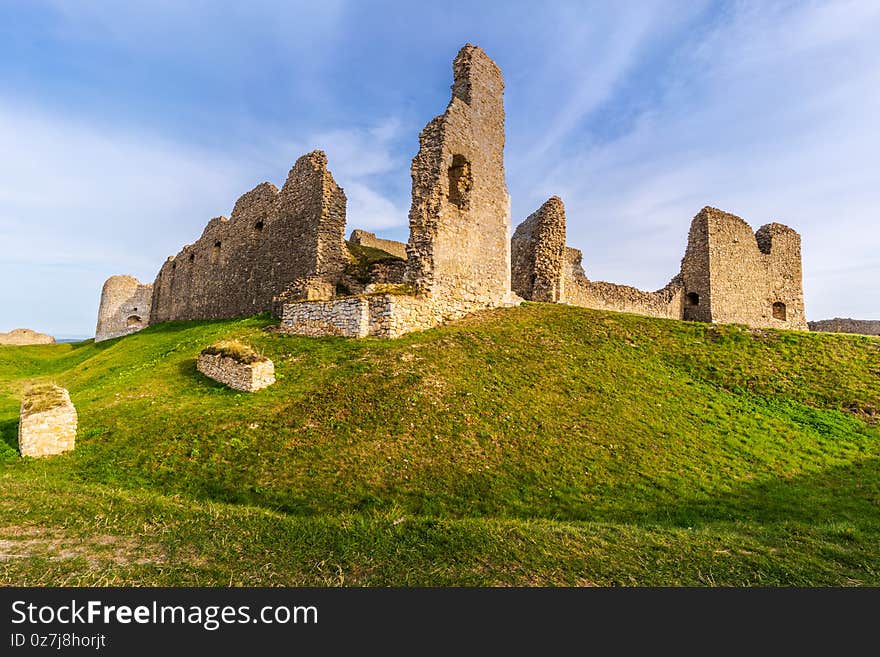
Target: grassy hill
x,y
538,445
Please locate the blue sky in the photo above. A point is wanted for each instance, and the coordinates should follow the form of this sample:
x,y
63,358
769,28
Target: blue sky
x,y
125,126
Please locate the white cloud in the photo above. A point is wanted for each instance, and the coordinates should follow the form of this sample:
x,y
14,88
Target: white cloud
x,y
772,117
81,202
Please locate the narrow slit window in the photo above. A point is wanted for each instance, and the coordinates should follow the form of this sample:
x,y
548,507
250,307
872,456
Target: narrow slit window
x,y
215,253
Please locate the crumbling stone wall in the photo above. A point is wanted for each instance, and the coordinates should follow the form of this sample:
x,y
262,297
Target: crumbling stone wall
x,y
365,238
734,275
125,307
24,336
47,422
728,274
544,269
381,315
276,246
847,325
537,251
248,377
459,243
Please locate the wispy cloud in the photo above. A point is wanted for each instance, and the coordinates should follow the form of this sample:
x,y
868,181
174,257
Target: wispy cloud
x,y
771,114
80,202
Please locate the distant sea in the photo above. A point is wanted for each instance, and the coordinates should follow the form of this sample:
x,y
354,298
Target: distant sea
x,y
74,338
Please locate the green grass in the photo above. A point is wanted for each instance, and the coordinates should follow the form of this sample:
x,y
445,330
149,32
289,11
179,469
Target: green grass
x,y
537,445
236,350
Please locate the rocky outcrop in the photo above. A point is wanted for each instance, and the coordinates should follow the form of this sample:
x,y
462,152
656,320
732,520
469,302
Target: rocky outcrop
x,y
847,325
23,336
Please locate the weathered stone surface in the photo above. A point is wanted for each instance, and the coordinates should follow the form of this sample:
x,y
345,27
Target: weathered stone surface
x,y
24,336
537,251
847,325
276,246
365,238
729,274
734,275
544,269
248,377
47,422
125,307
459,221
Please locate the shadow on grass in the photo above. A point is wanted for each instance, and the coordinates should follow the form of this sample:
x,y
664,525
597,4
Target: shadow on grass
x,y
9,434
845,493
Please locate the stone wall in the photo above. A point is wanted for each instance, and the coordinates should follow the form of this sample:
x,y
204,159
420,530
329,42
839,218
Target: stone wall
x,y
275,246
537,252
544,269
847,325
47,422
734,275
364,238
24,336
125,307
728,274
248,377
460,216
377,314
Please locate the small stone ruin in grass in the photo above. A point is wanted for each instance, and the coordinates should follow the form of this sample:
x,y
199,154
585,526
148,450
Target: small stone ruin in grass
x,y
236,365
47,423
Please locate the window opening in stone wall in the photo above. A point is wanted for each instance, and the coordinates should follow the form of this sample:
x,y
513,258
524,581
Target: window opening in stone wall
x,y
192,257
259,226
693,299
460,182
215,253
779,311
134,320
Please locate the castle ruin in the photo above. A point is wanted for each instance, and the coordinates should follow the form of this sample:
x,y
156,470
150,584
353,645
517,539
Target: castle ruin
x,y
285,252
729,274
125,307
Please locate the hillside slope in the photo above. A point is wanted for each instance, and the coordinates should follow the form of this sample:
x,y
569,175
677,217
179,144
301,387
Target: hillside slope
x,y
537,445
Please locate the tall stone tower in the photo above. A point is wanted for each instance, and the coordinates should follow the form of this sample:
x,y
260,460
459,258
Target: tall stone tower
x,y
124,309
732,275
460,217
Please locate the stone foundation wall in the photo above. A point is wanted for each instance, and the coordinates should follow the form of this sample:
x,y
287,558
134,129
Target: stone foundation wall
x,y
365,238
347,317
846,325
23,336
125,307
45,431
381,315
248,377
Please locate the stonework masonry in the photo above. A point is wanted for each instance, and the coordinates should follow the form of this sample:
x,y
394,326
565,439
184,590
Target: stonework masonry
x,y
458,254
285,252
846,325
365,238
24,336
275,246
460,215
247,377
728,274
537,251
734,275
125,307
47,422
